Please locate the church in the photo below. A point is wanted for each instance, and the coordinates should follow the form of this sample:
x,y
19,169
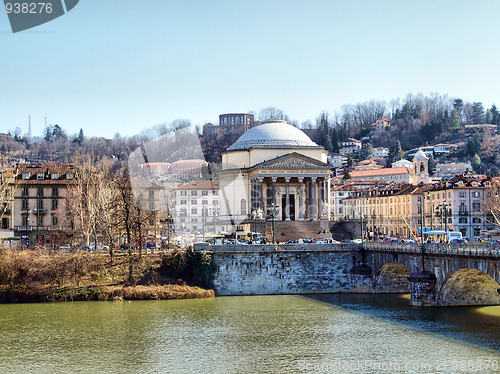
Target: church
x,y
275,172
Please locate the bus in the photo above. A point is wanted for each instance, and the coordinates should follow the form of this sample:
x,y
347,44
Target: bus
x,y
438,236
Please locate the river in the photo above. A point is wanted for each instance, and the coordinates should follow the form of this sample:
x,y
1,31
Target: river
x,y
253,334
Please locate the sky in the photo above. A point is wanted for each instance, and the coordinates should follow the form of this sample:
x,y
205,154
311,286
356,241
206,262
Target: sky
x,y
121,66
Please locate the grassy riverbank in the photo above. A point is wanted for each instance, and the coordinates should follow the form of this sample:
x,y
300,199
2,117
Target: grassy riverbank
x,y
40,276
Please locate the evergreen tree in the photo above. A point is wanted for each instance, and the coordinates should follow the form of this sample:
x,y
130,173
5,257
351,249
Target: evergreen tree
x,y
476,163
477,115
432,164
396,152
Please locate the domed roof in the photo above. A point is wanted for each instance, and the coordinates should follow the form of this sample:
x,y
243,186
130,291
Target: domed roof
x,y
420,154
273,133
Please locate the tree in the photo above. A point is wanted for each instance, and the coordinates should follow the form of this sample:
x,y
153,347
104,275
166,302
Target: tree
x,y
476,163
366,151
80,138
477,115
395,153
432,164
271,112
58,133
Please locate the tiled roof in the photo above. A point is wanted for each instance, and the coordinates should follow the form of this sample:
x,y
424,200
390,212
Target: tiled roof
x,y
200,185
380,172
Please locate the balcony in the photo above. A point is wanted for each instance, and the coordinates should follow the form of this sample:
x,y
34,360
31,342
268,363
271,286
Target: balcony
x,y
39,211
463,212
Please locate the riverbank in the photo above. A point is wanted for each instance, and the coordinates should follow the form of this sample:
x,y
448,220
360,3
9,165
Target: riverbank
x,y
48,276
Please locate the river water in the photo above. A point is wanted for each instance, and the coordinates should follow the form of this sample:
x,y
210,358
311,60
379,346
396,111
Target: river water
x,y
255,334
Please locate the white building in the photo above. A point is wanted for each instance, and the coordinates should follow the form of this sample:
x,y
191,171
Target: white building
x,y
350,146
380,152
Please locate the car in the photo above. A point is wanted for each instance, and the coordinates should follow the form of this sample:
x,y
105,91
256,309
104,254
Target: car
x,y
390,239
291,242
305,241
100,247
347,241
409,240
495,242
458,241
358,241
65,247
326,241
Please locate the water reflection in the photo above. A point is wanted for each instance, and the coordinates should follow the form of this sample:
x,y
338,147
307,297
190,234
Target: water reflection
x,y
464,323
264,334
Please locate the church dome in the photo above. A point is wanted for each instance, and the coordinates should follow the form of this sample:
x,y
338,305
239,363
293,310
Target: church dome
x,y
420,154
273,133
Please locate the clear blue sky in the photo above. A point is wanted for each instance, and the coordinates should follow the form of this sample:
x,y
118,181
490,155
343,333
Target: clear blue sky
x,y
122,66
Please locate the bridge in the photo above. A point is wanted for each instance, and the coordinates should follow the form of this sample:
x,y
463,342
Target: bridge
x,y
441,274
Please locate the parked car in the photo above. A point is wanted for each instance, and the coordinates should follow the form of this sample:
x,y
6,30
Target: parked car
x,y
409,240
305,241
495,242
458,241
100,247
347,241
358,241
65,247
326,241
390,239
291,242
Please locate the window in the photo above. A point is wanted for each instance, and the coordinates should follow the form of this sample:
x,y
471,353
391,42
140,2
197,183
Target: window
x,y
55,204
25,205
183,212
476,206
476,220
69,176
55,192
462,220
340,210
151,195
40,220
40,192
243,206
204,193
215,193
183,202
54,175
26,221
25,192
40,204
194,202
151,205
476,193
26,175
194,193
54,220
215,202
195,220
461,194
204,202
183,193
194,211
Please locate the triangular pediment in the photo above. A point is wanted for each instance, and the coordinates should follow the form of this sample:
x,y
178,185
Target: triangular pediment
x,y
293,161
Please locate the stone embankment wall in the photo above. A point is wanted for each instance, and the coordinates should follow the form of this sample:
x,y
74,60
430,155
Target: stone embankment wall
x,y
270,270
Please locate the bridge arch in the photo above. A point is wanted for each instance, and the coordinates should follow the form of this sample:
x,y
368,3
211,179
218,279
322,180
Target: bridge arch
x,y
469,286
392,277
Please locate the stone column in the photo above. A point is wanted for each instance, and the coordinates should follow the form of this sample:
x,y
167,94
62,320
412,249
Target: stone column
x,y
301,199
261,193
423,289
273,198
314,203
287,180
320,196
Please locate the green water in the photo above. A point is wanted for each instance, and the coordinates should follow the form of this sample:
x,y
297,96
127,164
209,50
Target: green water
x,y
259,334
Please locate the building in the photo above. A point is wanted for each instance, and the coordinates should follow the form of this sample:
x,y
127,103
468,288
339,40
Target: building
x,y
350,146
403,209
275,169
380,152
419,173
188,169
450,170
402,164
154,170
39,202
380,125
368,165
197,208
230,123
336,160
